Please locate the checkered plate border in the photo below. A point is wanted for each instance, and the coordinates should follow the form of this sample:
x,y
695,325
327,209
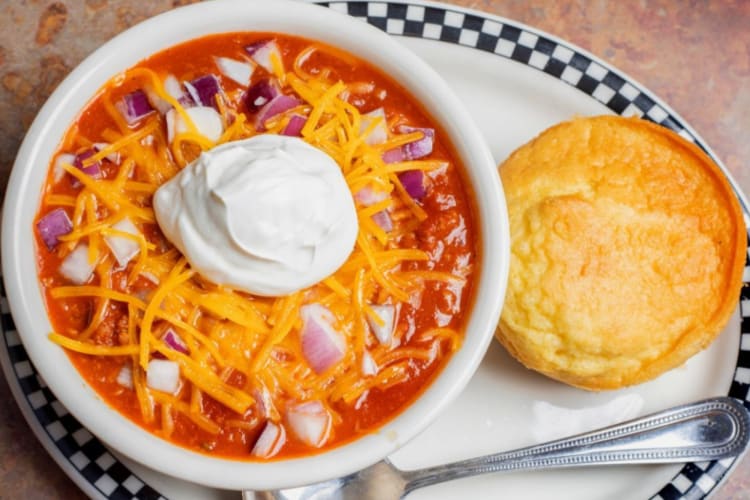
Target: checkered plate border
x,y
110,478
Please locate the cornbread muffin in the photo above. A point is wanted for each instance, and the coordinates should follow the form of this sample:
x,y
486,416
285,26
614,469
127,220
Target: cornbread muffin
x,y
628,247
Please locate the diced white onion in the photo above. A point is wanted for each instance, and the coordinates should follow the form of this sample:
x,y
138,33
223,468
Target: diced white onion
x,y
125,377
310,422
270,441
206,119
163,375
173,87
369,367
368,196
76,266
384,332
113,157
262,55
379,134
239,71
123,248
62,159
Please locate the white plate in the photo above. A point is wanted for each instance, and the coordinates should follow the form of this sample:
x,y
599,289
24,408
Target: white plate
x,y
516,81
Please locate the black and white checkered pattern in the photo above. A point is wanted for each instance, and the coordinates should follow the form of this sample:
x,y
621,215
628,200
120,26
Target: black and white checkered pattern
x,y
450,25
519,43
86,454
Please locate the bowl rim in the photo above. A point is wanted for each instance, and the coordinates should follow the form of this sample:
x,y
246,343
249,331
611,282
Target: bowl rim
x,y
170,28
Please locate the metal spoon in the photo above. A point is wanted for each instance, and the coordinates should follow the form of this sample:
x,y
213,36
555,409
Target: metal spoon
x,y
711,429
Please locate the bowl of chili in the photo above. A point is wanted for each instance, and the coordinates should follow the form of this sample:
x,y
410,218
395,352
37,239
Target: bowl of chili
x,y
214,384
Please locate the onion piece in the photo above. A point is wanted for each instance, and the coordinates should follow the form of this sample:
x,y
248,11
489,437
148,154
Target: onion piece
x,y
260,94
414,183
368,196
384,332
134,106
394,155
53,225
294,127
383,220
174,341
173,88
125,377
420,147
270,441
62,159
204,90
274,107
237,71
369,367
113,157
206,119
264,404
163,375
379,134
94,170
260,52
123,248
310,422
322,346
76,266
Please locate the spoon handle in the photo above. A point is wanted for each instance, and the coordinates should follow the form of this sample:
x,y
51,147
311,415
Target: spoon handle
x,y
706,430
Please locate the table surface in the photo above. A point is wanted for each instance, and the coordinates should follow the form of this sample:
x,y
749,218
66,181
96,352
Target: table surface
x,y
694,55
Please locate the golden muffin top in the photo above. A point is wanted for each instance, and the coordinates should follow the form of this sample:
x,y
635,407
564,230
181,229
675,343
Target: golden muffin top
x,y
628,246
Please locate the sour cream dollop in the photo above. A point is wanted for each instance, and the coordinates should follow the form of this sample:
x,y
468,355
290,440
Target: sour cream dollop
x,y
269,215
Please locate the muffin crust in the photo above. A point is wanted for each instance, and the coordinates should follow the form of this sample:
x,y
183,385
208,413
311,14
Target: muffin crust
x,y
628,246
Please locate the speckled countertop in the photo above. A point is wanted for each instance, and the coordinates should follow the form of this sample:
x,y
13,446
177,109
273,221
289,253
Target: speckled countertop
x,y
694,54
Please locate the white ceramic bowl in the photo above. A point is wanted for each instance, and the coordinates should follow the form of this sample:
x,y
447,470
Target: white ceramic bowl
x,y
23,199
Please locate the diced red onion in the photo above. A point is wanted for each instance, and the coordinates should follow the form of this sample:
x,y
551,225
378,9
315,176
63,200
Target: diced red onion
x,y
310,422
276,106
383,220
174,341
412,150
123,248
368,196
414,183
76,266
163,375
113,157
394,155
270,441
237,71
206,119
379,134
53,225
125,377
260,94
94,170
384,332
62,159
204,89
294,127
134,106
261,51
369,367
322,346
421,147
